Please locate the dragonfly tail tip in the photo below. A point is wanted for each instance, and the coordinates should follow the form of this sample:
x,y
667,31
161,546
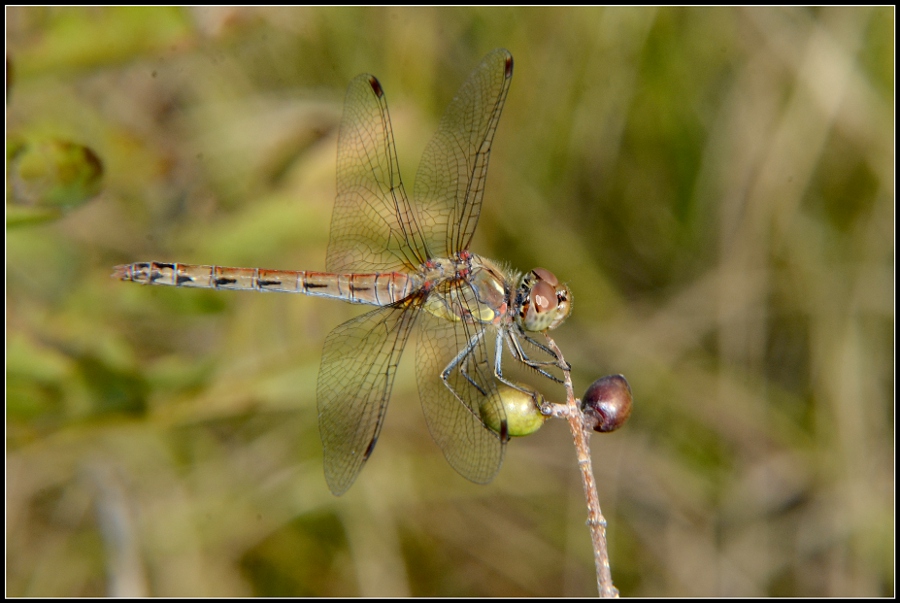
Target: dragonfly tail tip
x,y
122,272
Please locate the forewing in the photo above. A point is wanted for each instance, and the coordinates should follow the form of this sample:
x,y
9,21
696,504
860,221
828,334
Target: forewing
x,y
450,182
372,227
453,414
359,363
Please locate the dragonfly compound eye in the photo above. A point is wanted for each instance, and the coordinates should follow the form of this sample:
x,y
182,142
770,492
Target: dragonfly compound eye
x,y
545,302
543,298
546,276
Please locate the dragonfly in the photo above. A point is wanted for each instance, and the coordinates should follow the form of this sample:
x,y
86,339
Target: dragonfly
x,y
412,261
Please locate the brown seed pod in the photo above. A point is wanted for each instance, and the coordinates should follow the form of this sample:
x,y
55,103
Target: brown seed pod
x,y
607,403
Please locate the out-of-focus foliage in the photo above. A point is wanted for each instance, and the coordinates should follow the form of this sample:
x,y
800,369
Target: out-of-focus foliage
x,y
48,175
715,185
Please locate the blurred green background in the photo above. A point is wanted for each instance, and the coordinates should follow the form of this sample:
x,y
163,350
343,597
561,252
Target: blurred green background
x,y
715,185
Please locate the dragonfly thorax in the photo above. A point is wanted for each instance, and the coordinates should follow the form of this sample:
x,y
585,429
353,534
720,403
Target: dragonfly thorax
x,y
468,288
542,302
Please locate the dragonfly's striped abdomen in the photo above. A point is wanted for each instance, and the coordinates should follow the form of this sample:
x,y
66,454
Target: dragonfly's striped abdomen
x,y
374,288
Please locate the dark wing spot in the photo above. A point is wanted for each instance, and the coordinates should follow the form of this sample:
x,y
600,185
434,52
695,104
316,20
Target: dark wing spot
x,y
370,448
376,86
504,431
509,67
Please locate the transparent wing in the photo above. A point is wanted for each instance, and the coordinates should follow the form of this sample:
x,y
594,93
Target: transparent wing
x,y
355,380
454,417
372,227
450,182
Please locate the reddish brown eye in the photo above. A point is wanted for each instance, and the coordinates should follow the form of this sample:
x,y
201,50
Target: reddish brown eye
x,y
544,303
546,276
543,296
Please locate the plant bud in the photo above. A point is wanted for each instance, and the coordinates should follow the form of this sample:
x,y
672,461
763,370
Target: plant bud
x,y
521,410
607,403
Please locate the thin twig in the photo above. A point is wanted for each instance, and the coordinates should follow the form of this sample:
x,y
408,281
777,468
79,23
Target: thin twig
x,y
580,433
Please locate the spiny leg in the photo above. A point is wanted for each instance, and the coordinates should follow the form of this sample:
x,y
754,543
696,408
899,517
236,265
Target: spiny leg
x,y
457,361
519,354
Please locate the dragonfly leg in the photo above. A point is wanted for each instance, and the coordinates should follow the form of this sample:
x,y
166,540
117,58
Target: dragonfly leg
x,y
498,373
562,365
519,354
457,363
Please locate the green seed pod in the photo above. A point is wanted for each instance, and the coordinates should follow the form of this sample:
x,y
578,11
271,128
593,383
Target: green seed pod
x,y
521,409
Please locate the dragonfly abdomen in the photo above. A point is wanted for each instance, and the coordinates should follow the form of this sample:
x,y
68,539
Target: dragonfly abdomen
x,y
374,288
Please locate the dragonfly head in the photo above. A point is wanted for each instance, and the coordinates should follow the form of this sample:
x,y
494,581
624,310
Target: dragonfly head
x,y
544,303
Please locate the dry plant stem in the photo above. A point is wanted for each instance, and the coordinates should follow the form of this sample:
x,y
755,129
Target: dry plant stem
x,y
596,522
